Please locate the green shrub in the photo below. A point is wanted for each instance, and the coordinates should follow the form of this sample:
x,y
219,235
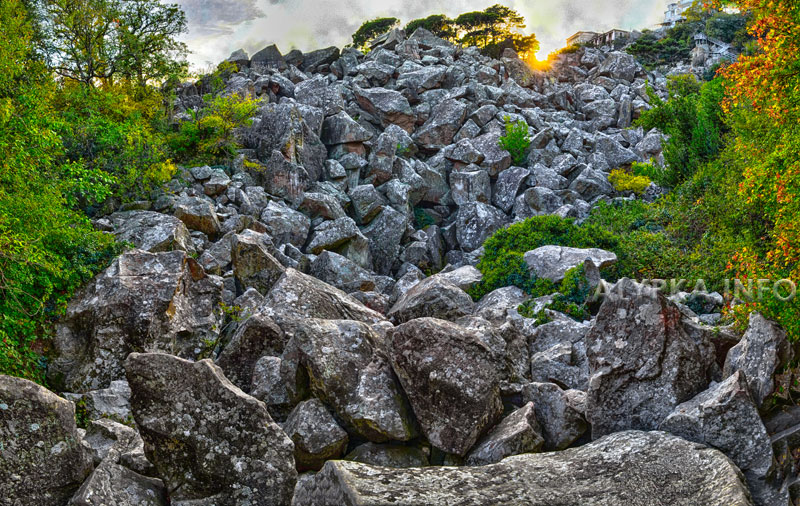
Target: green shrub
x,y
573,294
209,137
502,263
422,219
516,141
626,182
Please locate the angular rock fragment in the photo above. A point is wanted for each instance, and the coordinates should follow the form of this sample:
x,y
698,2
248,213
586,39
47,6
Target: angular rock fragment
x,y
210,441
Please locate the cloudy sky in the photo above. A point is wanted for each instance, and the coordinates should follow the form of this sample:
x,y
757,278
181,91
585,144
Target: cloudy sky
x,y
218,27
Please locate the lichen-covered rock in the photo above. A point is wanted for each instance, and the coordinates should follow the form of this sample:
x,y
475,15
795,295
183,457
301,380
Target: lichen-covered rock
x,y
151,231
113,402
642,361
552,262
388,455
342,129
515,434
560,413
435,297
341,236
268,386
110,441
385,232
114,484
389,106
341,272
198,214
476,222
348,371
42,461
316,435
445,120
724,417
255,337
284,224
452,380
626,468
210,441
253,265
762,351
142,302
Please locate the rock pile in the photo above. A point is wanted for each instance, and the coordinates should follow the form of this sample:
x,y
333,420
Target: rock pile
x,y
276,316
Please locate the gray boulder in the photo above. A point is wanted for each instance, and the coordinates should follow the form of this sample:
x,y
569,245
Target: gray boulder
x,y
451,378
627,468
619,65
642,361
476,222
285,225
315,59
253,265
517,433
762,351
316,435
509,183
141,302
385,233
560,413
724,417
41,460
255,337
444,122
268,386
553,262
341,236
198,214
470,186
319,93
342,273
389,106
151,231
342,129
349,373
185,410
270,56
616,155
434,297
112,483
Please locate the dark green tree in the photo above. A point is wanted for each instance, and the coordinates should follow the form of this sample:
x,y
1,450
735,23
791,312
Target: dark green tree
x,y
438,24
371,29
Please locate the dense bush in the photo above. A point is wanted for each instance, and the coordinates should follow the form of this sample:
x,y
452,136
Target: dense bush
x,y
516,141
624,181
209,137
47,248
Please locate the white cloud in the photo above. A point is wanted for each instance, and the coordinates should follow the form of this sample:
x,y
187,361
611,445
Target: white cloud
x,y
218,27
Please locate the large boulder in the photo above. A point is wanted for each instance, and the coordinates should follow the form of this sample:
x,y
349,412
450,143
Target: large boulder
x,y
319,93
452,380
316,435
642,361
552,262
341,236
517,433
42,461
342,129
255,337
627,468
285,225
476,222
385,232
253,265
209,441
299,296
724,417
762,351
151,231
389,106
445,120
559,412
198,214
435,297
342,273
619,65
348,371
114,484
141,302
282,127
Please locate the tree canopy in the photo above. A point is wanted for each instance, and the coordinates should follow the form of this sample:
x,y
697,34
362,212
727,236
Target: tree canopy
x,y
371,29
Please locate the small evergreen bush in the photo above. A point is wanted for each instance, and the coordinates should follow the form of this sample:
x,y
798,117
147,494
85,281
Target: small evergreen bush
x,y
516,141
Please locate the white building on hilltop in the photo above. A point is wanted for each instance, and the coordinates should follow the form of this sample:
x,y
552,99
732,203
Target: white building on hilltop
x,y
674,12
